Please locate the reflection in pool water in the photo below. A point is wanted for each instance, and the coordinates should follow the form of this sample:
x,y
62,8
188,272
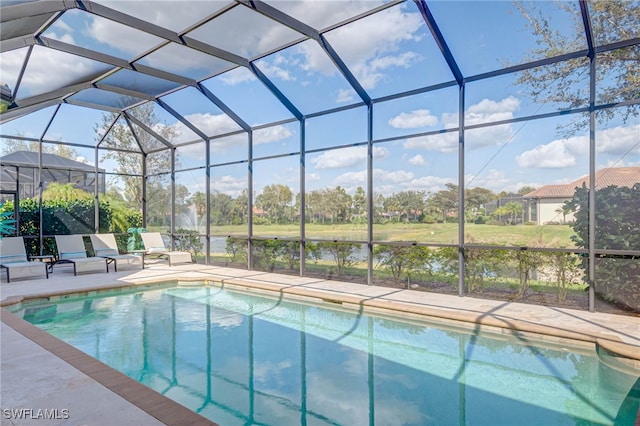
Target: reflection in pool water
x,y
240,358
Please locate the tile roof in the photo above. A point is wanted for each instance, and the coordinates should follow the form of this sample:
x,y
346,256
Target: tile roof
x,y
616,176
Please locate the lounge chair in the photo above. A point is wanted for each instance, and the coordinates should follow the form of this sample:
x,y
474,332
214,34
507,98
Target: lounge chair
x,y
71,250
154,246
13,258
104,245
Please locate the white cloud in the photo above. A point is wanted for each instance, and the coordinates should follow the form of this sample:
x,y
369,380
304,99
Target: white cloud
x,y
397,177
165,13
428,183
237,76
482,112
489,108
493,179
417,160
347,157
61,31
558,153
320,14
350,180
271,134
487,111
120,37
345,95
488,136
11,65
274,69
413,119
62,26
370,46
550,156
212,124
229,185
443,142
51,69
619,140
312,177
208,124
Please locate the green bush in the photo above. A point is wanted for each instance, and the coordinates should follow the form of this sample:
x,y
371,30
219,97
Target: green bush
x,y
66,217
188,240
405,263
236,248
617,227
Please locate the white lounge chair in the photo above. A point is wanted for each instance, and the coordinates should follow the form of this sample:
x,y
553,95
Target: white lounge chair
x,y
154,246
71,250
105,245
13,258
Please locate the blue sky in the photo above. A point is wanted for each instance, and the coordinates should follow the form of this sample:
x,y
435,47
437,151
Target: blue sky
x,y
389,52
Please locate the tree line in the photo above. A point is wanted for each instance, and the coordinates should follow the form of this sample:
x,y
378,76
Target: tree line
x,y
278,204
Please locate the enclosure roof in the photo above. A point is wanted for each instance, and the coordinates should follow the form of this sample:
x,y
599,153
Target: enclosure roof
x,y
216,67
30,159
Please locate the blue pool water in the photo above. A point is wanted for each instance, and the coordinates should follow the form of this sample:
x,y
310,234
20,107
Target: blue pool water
x,y
240,358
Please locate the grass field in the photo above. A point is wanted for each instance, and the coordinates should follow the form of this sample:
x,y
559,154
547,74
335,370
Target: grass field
x,y
439,233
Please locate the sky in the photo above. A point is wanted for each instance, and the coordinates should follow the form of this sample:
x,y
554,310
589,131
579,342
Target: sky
x,y
389,52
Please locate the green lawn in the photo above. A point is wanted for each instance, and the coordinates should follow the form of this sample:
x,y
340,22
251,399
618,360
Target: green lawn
x,y
439,233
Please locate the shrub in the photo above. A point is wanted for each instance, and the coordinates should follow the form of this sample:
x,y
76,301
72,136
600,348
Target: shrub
x,y
617,227
188,240
404,262
343,254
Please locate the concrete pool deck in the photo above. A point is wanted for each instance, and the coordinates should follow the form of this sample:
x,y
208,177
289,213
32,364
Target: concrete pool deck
x,y
38,372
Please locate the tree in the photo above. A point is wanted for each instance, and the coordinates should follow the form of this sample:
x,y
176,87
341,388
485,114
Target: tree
x,y
199,202
404,261
10,145
445,201
275,199
343,254
240,209
525,190
512,210
618,71
65,193
359,202
338,204
221,208
132,149
407,204
476,198
617,227
564,211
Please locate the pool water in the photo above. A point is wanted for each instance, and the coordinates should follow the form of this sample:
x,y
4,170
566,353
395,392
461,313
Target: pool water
x,y
239,358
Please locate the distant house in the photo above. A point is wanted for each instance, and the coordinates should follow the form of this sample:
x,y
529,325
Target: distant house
x,y
19,173
550,199
528,211
259,212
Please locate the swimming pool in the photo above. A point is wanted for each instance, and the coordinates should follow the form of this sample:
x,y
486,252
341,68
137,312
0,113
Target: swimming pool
x,y
240,358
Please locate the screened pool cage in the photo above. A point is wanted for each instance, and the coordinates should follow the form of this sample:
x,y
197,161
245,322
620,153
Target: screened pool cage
x,y
484,149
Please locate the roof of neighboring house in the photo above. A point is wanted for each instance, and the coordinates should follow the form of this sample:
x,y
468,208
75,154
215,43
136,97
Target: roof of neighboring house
x,y
611,176
30,159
